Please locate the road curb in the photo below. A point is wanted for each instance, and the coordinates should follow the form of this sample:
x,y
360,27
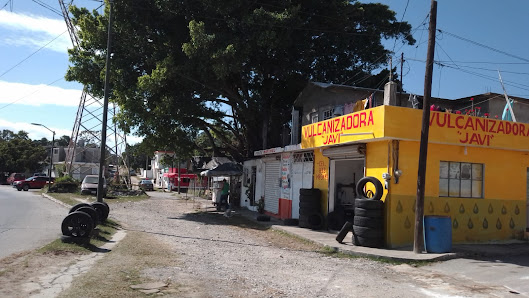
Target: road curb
x,y
55,200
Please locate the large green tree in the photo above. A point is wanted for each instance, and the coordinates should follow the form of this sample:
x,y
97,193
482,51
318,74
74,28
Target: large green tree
x,y
20,154
227,71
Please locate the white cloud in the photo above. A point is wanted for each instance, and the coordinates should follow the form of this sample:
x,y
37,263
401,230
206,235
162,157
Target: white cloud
x,y
33,31
34,132
37,95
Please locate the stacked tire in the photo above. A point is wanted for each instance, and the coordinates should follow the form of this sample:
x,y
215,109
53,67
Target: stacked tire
x,y
310,215
79,224
368,222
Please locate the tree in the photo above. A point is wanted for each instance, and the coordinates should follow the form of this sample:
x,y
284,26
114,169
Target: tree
x,y
20,154
63,141
226,70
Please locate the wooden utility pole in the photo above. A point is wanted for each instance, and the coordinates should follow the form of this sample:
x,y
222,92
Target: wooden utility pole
x,y
418,243
401,79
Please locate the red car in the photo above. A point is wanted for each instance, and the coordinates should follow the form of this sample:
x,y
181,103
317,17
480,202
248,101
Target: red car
x,y
36,182
15,177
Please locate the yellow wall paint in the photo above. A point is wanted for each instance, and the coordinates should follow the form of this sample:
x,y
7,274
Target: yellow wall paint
x,y
369,124
321,177
499,215
377,162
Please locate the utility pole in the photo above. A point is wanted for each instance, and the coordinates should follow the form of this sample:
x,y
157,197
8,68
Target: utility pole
x,y
401,66
418,243
105,108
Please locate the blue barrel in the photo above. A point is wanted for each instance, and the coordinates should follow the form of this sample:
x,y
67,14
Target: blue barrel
x,y
438,233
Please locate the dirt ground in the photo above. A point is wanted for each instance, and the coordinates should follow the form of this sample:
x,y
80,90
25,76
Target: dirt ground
x,y
197,252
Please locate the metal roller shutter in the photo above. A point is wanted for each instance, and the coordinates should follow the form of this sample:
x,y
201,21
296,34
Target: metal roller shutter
x,y
272,172
352,151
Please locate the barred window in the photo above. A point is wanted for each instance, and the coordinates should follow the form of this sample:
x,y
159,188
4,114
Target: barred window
x,y
305,156
460,179
328,114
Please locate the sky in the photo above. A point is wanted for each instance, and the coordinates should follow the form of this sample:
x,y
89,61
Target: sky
x,y
476,39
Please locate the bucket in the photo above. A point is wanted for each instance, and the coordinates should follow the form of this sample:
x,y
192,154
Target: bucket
x,y
438,233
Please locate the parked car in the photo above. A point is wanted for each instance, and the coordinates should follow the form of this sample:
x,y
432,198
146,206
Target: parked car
x,y
146,184
89,185
15,177
35,182
39,174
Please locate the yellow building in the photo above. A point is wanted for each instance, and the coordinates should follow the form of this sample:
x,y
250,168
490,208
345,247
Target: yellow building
x,y
477,169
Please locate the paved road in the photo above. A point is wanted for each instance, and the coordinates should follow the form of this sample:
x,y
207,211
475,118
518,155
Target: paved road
x,y
27,220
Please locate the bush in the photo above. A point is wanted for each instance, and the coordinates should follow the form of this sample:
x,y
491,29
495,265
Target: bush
x,y
65,184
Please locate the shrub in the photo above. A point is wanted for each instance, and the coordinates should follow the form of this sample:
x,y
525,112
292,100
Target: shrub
x,y
65,184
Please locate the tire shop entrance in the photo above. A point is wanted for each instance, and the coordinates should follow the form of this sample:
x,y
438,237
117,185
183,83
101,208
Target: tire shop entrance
x,y
346,168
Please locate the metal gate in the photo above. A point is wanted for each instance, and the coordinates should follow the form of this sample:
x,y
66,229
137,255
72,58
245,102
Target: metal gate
x,y
302,173
271,194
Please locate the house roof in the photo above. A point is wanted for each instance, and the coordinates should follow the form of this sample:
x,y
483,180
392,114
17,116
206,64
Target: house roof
x,y
312,86
225,169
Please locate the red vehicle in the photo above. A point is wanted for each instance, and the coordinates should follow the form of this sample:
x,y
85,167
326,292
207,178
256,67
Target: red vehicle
x,y
35,182
15,177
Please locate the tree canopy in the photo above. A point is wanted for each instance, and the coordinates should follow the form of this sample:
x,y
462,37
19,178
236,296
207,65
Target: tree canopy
x,y
20,154
221,76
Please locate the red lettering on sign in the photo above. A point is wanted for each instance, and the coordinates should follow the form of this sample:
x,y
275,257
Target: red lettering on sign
x,y
457,121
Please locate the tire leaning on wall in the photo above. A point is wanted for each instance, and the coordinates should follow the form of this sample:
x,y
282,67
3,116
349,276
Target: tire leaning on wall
x,y
379,190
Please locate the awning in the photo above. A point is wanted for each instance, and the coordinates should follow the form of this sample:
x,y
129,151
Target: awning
x,y
225,169
351,151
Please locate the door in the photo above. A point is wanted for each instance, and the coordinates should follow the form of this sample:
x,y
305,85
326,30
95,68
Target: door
x,y
302,174
272,189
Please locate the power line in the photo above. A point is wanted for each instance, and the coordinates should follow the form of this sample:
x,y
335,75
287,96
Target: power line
x,y
47,6
5,72
5,106
483,45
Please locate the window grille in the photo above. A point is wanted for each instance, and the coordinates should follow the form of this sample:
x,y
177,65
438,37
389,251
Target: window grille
x,y
461,179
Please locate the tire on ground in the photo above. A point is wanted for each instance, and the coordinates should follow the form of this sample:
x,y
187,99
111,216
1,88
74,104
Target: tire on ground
x,y
315,221
309,192
379,190
368,213
368,222
77,224
369,204
367,232
343,232
309,206
367,242
101,208
94,214
77,206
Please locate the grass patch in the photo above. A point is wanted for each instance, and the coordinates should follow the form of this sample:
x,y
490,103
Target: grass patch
x,y
113,275
106,231
76,198
112,200
67,198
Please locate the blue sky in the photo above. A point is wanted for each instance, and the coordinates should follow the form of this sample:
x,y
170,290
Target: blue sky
x,y
32,88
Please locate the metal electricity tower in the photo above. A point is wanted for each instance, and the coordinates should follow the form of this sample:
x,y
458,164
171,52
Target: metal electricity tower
x,y
83,153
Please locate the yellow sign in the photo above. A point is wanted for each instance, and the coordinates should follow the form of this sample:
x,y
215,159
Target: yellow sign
x,y
361,125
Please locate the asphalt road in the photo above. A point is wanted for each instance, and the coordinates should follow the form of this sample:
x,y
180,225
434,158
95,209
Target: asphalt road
x,y
27,220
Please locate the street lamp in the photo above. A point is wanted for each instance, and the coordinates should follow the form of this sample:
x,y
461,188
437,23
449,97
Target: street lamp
x,y
51,152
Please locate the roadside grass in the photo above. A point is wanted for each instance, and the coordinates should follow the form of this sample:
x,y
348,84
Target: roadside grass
x,y
333,252
106,231
130,258
76,198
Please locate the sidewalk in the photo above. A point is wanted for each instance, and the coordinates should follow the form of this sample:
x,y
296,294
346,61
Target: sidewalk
x,y
406,254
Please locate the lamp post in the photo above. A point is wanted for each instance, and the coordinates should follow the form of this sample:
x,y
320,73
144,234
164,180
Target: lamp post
x,y
51,152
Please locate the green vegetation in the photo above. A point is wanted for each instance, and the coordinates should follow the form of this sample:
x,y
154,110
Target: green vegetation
x,y
106,230
221,79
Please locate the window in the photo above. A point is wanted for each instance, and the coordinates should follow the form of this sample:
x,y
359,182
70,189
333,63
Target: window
x,y
460,179
328,114
313,117
55,151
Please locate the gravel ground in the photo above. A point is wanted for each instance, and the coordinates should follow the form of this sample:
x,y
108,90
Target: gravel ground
x,y
224,257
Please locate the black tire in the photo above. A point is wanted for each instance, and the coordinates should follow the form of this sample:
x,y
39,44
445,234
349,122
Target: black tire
x,y
104,210
368,222
367,232
263,218
76,240
369,213
336,220
315,221
309,192
368,242
303,220
309,200
77,224
309,205
379,190
291,222
369,204
77,206
343,232
26,187
19,188
94,214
